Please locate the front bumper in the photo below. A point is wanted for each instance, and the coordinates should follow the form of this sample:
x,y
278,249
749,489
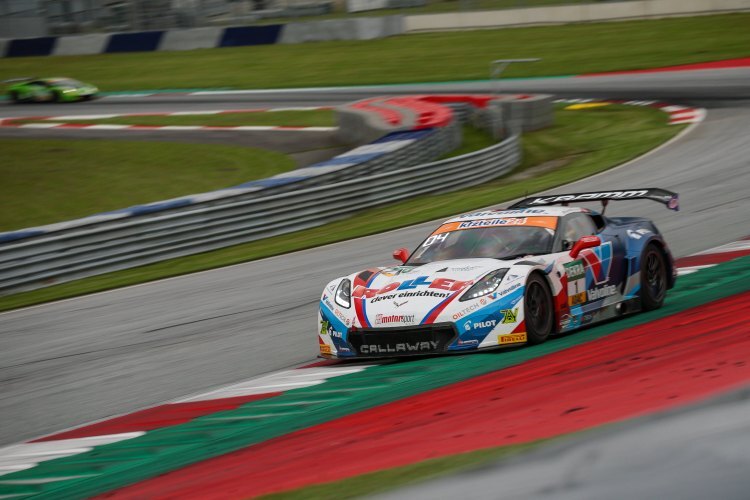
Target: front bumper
x,y
402,341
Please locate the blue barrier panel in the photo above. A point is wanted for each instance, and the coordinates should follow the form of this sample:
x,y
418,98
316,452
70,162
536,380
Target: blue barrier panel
x,y
145,41
250,35
23,47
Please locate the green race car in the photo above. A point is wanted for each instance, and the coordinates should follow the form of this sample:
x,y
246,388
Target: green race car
x,y
50,90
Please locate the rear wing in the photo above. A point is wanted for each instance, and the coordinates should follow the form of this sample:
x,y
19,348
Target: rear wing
x,y
668,198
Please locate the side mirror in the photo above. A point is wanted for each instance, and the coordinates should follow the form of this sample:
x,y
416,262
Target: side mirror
x,y
584,243
401,254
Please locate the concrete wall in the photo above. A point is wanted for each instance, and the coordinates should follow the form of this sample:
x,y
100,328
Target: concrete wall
x,y
197,38
365,28
81,44
609,11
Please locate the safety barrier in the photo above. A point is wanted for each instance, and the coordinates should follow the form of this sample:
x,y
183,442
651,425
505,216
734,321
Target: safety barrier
x,y
110,246
205,38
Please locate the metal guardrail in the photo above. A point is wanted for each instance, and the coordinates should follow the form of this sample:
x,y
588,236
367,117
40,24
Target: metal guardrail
x,y
111,246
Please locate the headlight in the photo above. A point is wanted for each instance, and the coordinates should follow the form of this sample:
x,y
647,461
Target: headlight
x,y
486,285
344,294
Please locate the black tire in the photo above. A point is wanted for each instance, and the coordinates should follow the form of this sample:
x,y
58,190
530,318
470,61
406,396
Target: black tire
x,y
57,97
539,309
15,98
653,278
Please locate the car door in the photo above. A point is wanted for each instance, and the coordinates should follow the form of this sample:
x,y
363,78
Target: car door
x,y
596,274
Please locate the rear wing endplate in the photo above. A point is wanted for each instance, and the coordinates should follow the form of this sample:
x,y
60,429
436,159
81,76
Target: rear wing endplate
x,y
668,198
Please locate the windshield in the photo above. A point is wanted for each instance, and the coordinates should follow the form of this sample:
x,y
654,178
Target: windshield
x,y
502,242
66,82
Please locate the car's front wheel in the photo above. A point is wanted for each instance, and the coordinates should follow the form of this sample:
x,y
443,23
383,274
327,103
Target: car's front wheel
x,y
653,278
539,309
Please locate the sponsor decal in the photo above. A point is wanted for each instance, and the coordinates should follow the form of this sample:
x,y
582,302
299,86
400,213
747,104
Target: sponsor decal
x,y
395,271
502,213
576,273
485,324
464,269
414,347
328,303
467,342
511,338
339,315
477,214
638,233
510,315
327,329
399,304
446,284
467,326
467,310
506,291
325,349
513,221
602,292
383,319
549,222
599,262
616,195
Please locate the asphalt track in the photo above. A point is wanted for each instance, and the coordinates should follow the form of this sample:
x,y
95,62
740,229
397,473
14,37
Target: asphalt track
x,y
71,362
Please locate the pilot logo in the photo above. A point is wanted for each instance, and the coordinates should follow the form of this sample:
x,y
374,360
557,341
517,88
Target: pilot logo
x,y
510,315
484,324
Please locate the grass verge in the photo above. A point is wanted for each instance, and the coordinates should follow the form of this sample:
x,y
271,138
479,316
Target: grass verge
x,y
37,187
444,56
391,479
312,118
582,143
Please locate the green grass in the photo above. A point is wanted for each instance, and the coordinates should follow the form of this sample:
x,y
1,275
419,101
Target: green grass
x,y
445,56
580,144
51,180
312,118
473,140
391,479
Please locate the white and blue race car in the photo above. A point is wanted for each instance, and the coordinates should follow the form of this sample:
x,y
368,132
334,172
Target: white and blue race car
x,y
502,278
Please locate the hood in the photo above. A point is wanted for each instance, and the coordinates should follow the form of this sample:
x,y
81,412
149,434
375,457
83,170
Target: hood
x,y
414,295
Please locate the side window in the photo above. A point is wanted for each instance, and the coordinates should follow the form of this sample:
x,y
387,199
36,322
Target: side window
x,y
572,228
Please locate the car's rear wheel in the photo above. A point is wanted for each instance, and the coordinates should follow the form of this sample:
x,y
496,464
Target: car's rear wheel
x,y
653,278
15,97
539,309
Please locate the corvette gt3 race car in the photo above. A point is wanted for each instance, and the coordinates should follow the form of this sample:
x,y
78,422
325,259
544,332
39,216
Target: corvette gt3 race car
x,y
50,90
502,278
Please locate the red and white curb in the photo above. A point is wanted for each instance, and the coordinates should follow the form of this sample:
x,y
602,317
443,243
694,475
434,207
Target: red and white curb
x,y
713,256
83,439
70,121
678,115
